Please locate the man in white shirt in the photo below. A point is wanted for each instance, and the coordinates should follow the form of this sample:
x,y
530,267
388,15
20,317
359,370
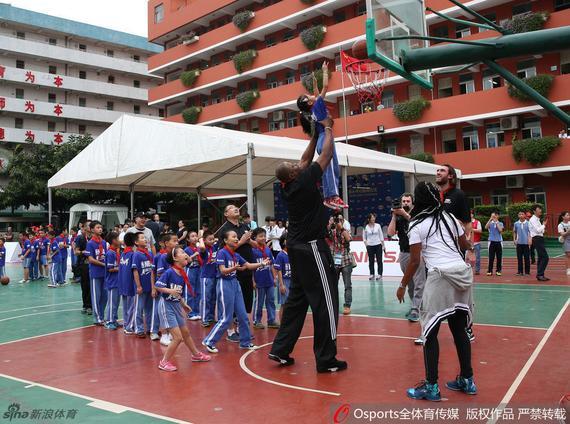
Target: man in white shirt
x,y
537,233
139,227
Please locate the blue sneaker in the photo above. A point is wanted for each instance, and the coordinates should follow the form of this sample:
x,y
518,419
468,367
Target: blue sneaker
x,y
426,391
111,326
465,385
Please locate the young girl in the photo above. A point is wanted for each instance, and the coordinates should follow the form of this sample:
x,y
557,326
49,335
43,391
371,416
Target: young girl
x,y
193,272
283,271
229,293
96,248
168,242
313,108
263,282
112,281
208,279
170,286
127,284
55,258
143,273
564,238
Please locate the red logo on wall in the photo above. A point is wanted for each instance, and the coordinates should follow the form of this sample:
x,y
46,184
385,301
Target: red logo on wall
x,y
58,109
30,136
2,70
1,133
30,107
58,138
2,102
30,76
58,81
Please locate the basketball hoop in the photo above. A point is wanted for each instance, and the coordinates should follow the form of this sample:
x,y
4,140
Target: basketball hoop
x,y
368,79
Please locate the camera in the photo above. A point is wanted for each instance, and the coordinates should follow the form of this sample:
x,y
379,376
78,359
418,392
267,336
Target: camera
x,y
397,203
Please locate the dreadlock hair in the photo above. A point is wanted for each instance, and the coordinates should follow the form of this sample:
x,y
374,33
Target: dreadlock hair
x,y
428,204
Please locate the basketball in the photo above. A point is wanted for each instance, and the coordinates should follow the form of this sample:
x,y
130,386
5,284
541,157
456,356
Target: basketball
x,y
359,50
5,280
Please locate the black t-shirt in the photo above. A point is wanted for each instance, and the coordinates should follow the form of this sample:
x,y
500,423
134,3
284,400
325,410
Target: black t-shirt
x,y
308,216
81,244
402,225
454,202
154,227
245,249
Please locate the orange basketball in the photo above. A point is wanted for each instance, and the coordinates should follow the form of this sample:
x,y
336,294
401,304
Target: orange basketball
x,y
359,50
5,280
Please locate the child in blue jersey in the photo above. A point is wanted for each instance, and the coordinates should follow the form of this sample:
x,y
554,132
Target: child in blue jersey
x,y
2,257
208,272
230,295
313,113
127,284
96,250
263,281
112,259
283,271
55,258
44,246
167,243
170,285
34,258
25,245
64,238
143,274
193,270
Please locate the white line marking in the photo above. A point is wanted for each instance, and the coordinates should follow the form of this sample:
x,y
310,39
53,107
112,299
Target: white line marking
x,y
522,374
98,402
47,334
305,389
38,313
108,406
41,306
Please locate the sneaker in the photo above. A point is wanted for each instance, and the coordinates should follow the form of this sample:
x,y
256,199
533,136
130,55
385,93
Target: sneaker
x,y
128,332
194,318
165,340
210,348
408,314
542,278
568,272
258,325
334,366
166,366
22,281
498,273
154,336
426,391
378,277
84,311
470,334
207,323
234,337
371,278
273,324
414,316
489,274
465,385
250,346
141,335
419,341
518,274
99,323
52,286
328,203
110,326
338,203
201,357
346,310
89,311
283,360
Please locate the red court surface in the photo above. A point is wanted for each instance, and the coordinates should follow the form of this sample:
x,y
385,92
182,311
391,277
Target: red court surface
x,y
383,362
556,271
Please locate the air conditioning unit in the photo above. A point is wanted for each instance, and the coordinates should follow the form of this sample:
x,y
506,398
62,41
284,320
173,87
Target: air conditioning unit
x,y
279,116
509,123
515,181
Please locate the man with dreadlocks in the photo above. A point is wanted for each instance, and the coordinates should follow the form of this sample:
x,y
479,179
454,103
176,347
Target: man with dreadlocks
x,y
438,238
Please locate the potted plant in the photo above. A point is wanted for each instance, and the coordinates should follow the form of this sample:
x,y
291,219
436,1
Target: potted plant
x,y
189,77
532,21
541,83
189,38
307,80
243,60
410,110
313,37
535,150
242,19
246,99
191,114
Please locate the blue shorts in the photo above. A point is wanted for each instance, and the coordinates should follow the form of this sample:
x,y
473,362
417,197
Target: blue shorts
x,y
27,262
43,260
170,314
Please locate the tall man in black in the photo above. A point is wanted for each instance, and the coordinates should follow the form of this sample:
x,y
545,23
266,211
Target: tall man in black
x,y
313,280
83,266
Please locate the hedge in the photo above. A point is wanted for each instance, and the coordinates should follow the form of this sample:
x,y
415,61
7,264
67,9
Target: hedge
x,y
307,80
242,19
410,110
423,156
514,208
534,150
541,83
527,22
507,234
191,114
189,77
313,37
243,60
245,100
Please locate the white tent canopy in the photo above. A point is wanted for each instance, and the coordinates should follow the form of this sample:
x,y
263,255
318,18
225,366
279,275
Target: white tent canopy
x,y
140,154
109,215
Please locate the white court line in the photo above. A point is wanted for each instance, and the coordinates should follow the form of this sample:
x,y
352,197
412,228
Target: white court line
x,y
96,403
41,306
304,389
520,377
44,335
492,286
38,313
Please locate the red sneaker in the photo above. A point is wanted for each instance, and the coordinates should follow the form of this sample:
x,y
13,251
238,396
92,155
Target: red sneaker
x,y
166,366
201,357
338,203
328,202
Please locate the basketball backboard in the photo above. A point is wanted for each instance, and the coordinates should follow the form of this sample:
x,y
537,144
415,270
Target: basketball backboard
x,y
387,20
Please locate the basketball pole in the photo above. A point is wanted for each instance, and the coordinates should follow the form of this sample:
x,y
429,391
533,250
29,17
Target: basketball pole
x,y
344,169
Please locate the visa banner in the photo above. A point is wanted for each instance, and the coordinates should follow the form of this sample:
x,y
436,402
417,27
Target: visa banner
x,y
389,259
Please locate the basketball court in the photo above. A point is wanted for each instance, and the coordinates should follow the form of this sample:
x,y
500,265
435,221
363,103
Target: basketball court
x,y
52,358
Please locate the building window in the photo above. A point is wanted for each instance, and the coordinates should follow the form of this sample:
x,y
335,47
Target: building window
x,y
270,41
474,200
470,138
111,79
20,64
276,125
21,35
490,80
526,69
466,84
339,16
83,47
243,126
82,102
291,119
82,75
417,143
158,13
161,113
495,136
520,9
366,107
19,93
304,71
136,58
272,82
82,129
136,109
51,126
390,146
53,41
110,105
361,10
230,95
52,69
288,35
290,77
442,32
216,99
561,4
255,125
414,91
387,99
565,61
136,84
462,30
500,197
204,100
444,88
490,16
110,53
52,98
536,195
531,128
449,144
19,123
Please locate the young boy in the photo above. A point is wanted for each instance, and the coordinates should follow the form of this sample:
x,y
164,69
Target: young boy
x,y
143,274
96,251
2,257
522,240
495,228
34,257
193,272
475,238
263,282
55,257
127,284
24,256
112,281
208,279
283,270
74,269
167,243
44,247
64,238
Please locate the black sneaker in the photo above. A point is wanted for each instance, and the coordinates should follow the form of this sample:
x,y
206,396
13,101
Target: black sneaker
x,y
334,366
283,360
543,278
89,311
84,311
470,334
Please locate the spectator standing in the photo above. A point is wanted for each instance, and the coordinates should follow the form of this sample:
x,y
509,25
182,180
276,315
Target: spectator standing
x,y
9,237
340,247
564,232
156,218
83,267
182,234
522,240
537,233
153,226
528,215
495,228
249,222
475,239
166,229
140,221
374,241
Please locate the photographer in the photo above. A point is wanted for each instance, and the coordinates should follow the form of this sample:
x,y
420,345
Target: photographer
x,y
401,209
342,258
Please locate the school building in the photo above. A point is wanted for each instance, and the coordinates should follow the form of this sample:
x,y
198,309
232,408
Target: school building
x,y
60,78
471,121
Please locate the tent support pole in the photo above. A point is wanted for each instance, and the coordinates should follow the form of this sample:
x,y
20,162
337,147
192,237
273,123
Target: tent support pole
x,y
344,176
199,204
132,196
249,170
50,210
